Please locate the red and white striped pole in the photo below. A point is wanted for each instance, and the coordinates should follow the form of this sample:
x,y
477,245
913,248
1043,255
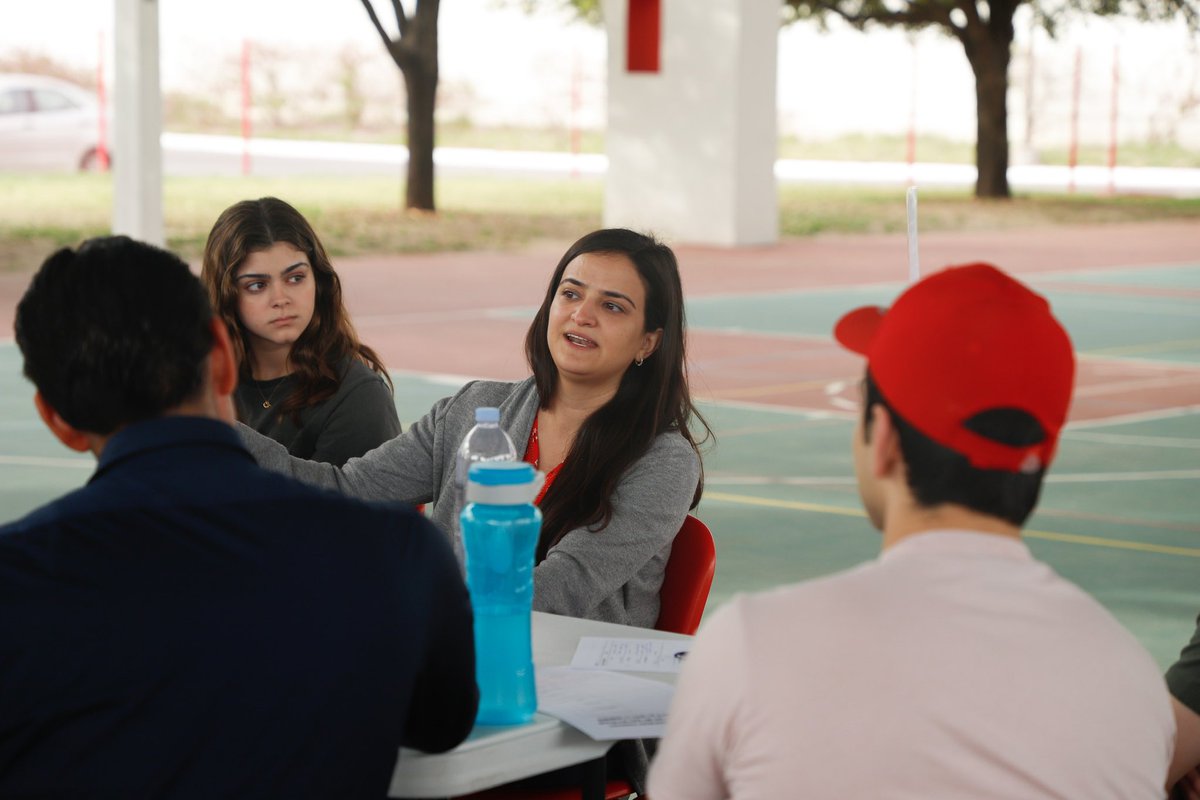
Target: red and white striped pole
x,y
1029,73
911,154
574,119
1073,152
246,107
1112,126
102,160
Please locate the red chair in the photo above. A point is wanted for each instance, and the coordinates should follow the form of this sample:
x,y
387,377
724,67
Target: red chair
x,y
684,593
688,577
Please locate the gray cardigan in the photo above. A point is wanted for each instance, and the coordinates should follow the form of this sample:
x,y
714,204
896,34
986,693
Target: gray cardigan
x,y
612,574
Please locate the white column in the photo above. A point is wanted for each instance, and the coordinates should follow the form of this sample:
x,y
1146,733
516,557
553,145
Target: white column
x,y
137,123
691,148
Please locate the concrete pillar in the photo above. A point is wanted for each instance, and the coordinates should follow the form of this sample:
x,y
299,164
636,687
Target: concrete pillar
x,y
137,123
691,147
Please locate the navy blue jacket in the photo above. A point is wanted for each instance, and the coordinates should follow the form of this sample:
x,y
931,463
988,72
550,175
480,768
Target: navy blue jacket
x,y
188,625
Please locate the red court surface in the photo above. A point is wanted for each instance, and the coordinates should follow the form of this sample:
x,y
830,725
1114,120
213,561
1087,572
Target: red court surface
x,y
466,313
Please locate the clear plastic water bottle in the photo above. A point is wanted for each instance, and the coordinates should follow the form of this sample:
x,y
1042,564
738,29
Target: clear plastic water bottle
x,y
486,442
500,528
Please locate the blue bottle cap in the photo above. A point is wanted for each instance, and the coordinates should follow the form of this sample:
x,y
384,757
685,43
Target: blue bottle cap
x,y
487,414
501,473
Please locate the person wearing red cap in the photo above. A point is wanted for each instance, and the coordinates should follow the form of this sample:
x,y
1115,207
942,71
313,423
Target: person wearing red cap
x,y
955,665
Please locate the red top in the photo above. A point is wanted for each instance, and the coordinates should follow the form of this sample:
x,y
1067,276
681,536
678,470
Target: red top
x,y
533,456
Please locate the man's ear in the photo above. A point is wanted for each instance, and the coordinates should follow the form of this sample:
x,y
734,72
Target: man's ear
x,y
62,430
222,362
884,443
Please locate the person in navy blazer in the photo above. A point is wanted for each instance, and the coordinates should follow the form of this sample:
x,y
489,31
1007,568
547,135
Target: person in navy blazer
x,y
188,625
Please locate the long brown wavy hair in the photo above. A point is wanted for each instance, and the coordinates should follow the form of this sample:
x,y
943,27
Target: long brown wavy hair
x,y
650,400
253,225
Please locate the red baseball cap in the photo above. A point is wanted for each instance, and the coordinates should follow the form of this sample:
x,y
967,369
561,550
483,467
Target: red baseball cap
x,y
962,341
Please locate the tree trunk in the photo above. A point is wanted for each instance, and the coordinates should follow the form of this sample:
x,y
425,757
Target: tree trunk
x,y
989,50
991,142
421,87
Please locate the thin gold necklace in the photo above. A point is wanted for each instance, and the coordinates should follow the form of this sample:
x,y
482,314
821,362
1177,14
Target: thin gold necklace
x,y
268,398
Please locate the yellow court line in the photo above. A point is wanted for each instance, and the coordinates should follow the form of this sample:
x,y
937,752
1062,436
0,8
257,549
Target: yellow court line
x,y
1068,538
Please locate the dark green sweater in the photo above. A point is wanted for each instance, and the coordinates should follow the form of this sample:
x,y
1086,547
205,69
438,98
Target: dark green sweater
x,y
359,417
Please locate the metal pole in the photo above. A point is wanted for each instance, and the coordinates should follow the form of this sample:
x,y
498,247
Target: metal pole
x,y
1073,154
1112,127
102,160
911,154
137,123
246,132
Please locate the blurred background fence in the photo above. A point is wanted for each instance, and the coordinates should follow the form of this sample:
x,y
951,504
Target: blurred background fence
x,y
1100,89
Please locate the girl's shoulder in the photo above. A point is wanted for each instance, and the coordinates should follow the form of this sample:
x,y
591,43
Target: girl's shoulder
x,y
352,372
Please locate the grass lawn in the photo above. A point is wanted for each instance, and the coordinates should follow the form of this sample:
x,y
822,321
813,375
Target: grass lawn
x,y
39,213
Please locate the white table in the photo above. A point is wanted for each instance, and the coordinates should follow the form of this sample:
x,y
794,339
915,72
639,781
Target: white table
x,y
492,756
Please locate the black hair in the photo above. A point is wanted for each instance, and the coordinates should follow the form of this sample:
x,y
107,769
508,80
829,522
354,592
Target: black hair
x,y
651,399
936,474
115,332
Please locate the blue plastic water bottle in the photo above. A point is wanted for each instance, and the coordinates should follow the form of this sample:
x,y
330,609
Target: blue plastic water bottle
x,y
500,527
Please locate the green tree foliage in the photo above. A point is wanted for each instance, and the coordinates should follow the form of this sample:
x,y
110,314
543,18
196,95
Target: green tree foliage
x,y
589,10
985,30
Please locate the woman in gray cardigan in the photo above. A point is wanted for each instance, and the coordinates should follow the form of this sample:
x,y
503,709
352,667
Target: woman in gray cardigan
x,y
607,415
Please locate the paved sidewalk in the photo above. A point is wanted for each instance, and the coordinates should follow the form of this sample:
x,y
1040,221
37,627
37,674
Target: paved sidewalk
x,y
183,151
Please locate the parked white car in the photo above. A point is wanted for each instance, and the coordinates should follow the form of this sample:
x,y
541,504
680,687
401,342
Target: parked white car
x,y
47,124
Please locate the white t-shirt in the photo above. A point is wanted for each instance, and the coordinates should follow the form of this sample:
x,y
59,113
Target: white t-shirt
x,y
954,666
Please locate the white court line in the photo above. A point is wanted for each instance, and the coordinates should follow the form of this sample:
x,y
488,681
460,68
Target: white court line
x,y
437,378
811,413
47,461
1149,347
1138,383
502,312
1105,272
1135,361
1105,301
839,288
1068,477
762,480
832,413
1122,477
1129,439
448,379
1139,416
738,330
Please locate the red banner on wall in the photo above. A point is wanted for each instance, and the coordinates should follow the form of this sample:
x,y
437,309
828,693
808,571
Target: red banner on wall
x,y
644,35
